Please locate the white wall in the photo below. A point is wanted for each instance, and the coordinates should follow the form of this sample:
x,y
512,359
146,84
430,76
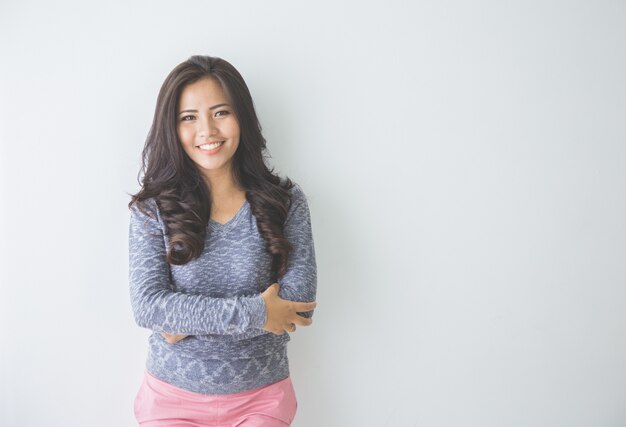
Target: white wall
x,y
465,164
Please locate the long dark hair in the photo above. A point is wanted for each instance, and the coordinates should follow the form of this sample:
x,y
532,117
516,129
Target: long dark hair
x,y
176,184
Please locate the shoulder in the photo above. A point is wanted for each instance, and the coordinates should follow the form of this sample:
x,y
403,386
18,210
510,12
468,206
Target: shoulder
x,y
145,210
144,207
299,208
296,192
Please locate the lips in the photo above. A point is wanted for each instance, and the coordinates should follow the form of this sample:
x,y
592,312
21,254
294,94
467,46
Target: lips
x,y
209,143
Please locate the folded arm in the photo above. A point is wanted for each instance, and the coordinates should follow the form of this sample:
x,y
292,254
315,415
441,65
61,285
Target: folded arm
x,y
158,307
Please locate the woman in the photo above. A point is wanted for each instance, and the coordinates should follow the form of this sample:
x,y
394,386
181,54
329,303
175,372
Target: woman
x,y
222,260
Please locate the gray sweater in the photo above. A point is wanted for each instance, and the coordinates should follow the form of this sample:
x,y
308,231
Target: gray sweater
x,y
216,299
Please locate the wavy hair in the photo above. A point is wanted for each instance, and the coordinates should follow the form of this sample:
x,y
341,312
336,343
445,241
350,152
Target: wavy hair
x,y
176,184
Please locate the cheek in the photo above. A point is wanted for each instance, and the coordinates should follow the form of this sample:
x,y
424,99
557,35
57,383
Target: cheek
x,y
233,129
186,135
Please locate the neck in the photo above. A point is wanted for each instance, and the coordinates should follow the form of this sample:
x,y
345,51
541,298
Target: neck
x,y
222,185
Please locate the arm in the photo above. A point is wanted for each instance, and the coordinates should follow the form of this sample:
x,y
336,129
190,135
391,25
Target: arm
x,y
300,281
157,307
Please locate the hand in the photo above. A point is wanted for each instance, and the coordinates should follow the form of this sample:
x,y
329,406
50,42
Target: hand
x,y
172,338
282,314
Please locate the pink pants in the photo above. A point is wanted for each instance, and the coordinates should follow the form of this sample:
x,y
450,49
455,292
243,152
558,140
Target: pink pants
x,y
160,404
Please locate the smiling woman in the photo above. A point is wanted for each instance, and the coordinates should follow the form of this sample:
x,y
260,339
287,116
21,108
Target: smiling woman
x,y
222,260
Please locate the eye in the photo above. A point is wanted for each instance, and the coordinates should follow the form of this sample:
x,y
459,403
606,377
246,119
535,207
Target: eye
x,y
226,112
187,118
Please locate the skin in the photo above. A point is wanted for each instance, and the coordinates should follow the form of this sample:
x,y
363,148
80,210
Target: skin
x,y
205,115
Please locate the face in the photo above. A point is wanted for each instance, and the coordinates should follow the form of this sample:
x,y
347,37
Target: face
x,y
207,127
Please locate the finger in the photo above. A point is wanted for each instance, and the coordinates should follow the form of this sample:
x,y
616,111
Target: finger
x,y
289,327
305,306
301,320
274,288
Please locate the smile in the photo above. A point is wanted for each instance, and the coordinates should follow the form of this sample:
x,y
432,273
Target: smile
x,y
211,146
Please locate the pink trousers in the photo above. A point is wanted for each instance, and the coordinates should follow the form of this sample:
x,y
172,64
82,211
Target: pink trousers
x,y
159,404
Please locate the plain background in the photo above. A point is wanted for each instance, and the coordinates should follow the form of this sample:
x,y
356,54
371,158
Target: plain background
x,y
465,165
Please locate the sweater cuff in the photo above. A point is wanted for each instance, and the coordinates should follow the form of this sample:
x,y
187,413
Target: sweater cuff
x,y
257,311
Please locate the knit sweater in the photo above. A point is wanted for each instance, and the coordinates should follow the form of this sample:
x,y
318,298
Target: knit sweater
x,y
216,299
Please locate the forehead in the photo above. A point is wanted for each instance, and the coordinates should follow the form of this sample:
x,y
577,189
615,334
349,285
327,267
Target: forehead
x,y
204,91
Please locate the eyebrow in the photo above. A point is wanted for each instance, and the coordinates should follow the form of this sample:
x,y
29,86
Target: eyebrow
x,y
210,108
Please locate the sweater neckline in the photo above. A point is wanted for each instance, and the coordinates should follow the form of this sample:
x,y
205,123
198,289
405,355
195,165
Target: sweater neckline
x,y
231,222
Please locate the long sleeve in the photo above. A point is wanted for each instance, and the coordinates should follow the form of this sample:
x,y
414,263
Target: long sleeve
x,y
158,307
300,281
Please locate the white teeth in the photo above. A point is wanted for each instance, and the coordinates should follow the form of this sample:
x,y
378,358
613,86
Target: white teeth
x,y
208,147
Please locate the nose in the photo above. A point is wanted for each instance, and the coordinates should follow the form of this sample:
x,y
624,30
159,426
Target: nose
x,y
207,127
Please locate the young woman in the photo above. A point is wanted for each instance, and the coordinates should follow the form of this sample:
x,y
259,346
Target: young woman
x,y
222,260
